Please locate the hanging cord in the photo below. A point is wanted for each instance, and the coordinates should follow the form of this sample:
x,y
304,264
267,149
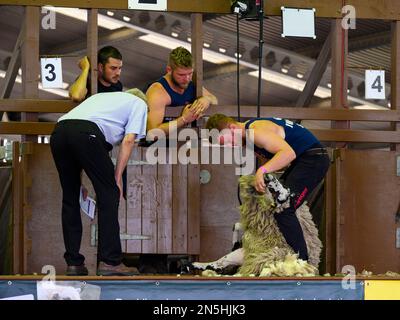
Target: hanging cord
x,y
238,91
260,7
237,67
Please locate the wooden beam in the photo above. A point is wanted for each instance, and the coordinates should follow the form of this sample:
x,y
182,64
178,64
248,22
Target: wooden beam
x,y
365,9
303,114
316,74
63,106
339,71
31,105
348,135
92,44
80,46
12,70
359,43
334,135
395,81
197,51
27,128
13,66
193,171
18,217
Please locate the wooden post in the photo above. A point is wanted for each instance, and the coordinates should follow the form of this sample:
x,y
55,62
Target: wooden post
x,y
197,51
18,217
30,63
92,40
339,72
395,83
193,201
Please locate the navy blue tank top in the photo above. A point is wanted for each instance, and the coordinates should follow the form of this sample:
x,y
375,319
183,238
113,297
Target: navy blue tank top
x,y
298,137
188,96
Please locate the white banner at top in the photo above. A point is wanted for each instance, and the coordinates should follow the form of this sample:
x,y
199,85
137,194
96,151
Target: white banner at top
x,y
156,5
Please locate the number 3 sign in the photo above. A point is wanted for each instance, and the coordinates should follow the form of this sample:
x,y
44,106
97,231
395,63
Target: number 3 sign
x,y
375,84
51,72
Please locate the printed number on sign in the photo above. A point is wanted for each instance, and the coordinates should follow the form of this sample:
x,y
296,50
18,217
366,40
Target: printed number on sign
x,y
50,67
51,73
375,84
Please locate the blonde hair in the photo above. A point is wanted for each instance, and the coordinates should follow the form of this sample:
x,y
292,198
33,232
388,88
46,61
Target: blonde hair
x,y
138,93
180,57
219,121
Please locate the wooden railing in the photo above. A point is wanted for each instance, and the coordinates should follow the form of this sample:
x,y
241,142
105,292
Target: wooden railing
x,y
337,135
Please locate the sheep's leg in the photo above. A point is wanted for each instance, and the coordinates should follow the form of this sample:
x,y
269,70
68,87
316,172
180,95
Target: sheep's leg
x,y
232,259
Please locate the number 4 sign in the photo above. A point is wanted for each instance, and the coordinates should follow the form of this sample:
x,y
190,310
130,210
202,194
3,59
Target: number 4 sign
x,y
375,84
51,73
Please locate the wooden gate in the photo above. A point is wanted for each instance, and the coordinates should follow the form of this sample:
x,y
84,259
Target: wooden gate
x,y
367,204
162,207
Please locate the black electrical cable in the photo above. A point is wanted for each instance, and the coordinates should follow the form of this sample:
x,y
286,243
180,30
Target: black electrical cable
x,y
238,86
237,68
260,5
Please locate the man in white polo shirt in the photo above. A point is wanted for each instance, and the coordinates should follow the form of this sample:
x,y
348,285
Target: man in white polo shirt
x,y
82,140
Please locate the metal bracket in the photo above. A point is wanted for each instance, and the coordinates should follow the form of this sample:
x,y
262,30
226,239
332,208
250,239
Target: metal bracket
x,y
123,236
398,238
131,162
126,236
398,166
205,176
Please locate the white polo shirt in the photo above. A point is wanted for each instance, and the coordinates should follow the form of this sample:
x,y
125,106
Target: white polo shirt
x,y
115,113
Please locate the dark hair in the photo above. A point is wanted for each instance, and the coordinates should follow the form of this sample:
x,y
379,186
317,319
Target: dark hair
x,y
108,52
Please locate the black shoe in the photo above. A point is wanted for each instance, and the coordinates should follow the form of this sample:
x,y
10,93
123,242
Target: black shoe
x,y
77,270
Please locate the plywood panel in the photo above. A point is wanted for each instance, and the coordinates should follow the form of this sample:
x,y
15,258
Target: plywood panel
x,y
179,209
219,210
368,201
164,208
149,206
194,209
122,207
216,241
134,202
44,228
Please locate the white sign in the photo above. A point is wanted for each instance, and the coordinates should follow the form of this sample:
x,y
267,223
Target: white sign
x,y
298,22
88,205
156,5
51,73
375,84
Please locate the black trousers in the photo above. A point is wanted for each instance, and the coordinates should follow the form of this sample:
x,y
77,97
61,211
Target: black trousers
x,y
303,175
79,145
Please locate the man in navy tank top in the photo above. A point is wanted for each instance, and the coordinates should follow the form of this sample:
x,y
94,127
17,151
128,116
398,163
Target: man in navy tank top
x,y
175,89
281,143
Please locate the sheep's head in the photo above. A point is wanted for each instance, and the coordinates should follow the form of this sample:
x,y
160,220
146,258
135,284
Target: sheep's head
x,y
276,196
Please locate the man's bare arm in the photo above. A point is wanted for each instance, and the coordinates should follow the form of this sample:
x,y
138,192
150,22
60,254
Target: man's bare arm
x,y
157,100
78,90
125,150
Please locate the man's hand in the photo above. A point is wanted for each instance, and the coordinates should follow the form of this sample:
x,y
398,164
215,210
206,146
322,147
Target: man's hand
x,y
259,183
119,184
84,63
188,114
200,105
84,192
